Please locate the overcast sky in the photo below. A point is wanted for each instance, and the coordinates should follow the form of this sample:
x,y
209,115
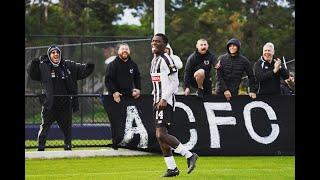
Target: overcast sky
x,y
128,18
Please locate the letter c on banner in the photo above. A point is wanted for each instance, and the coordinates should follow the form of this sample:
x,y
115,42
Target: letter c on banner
x,y
193,132
271,115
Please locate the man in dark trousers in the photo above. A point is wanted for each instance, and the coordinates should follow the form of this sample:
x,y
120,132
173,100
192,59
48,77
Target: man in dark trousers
x,y
197,72
122,75
232,66
164,76
59,80
268,72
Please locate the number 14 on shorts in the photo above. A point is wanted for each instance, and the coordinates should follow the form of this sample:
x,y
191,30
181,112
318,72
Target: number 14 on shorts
x,y
159,114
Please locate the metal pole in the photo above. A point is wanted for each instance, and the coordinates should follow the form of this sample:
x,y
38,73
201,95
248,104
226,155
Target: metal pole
x,y
284,62
159,16
81,90
92,99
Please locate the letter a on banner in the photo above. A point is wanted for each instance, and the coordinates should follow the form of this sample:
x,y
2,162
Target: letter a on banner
x,y
133,115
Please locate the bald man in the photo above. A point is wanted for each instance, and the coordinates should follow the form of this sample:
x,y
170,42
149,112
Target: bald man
x,y
197,72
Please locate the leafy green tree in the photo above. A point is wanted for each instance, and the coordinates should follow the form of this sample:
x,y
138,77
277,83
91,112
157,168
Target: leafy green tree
x,y
253,22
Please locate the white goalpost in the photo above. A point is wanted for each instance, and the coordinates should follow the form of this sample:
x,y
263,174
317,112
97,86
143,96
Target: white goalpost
x,y
159,16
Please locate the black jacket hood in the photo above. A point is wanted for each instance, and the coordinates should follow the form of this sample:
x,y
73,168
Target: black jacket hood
x,y
51,48
235,42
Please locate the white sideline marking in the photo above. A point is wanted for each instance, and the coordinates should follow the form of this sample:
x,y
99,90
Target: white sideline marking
x,y
82,153
98,173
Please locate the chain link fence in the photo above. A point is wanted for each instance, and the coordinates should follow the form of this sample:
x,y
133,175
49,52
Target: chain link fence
x,y
90,124
97,53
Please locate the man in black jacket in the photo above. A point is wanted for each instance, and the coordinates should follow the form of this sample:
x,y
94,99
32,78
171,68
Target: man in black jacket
x,y
59,80
268,72
288,86
232,67
122,75
197,72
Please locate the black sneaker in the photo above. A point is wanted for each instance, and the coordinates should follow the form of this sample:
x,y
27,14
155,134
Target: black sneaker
x,y
192,162
40,149
171,172
67,147
200,93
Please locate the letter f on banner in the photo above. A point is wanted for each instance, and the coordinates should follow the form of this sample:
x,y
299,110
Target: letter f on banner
x,y
215,121
133,115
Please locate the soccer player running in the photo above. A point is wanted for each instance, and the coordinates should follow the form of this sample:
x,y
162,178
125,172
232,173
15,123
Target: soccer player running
x,y
165,81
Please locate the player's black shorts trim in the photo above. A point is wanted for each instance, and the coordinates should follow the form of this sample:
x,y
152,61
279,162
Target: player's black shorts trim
x,y
163,118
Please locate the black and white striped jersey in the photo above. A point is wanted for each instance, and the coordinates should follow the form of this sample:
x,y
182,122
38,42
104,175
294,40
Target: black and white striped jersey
x,y
164,78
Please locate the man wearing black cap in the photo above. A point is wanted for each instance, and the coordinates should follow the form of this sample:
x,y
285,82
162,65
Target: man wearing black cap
x,y
59,81
232,66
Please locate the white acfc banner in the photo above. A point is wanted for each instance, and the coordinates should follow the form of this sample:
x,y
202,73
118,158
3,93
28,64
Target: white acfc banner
x,y
213,121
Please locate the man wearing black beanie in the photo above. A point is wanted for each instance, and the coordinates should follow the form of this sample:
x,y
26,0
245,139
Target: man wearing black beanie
x,y
58,78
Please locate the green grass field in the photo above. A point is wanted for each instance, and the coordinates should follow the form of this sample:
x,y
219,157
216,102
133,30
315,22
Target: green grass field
x,y
152,167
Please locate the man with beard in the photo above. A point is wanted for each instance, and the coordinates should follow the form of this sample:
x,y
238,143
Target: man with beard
x,y
197,72
165,81
123,76
58,78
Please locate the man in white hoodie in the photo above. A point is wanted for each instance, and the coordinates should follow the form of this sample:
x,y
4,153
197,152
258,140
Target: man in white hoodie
x,y
176,59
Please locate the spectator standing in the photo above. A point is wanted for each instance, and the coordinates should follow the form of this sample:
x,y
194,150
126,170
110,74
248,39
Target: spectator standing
x,y
59,80
288,85
268,72
232,67
176,59
197,71
109,54
122,75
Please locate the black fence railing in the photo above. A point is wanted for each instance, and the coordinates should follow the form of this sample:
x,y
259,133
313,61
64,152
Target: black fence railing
x,y
90,125
96,50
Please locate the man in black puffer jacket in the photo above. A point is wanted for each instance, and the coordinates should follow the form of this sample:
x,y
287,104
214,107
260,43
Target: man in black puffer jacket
x,y
59,80
232,67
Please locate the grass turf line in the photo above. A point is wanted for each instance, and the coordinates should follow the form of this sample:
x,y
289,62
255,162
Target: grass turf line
x,y
152,167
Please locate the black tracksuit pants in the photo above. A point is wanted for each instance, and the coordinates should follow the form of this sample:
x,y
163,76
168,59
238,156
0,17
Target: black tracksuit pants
x,y
64,120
